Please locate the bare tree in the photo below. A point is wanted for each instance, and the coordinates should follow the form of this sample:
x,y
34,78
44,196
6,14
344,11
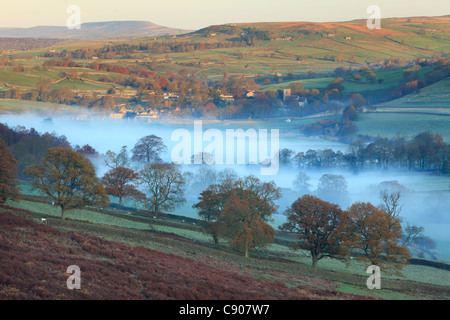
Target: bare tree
x,y
391,202
301,183
164,185
148,149
390,193
410,234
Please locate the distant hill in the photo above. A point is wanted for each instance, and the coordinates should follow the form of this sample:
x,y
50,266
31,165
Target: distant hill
x,y
94,31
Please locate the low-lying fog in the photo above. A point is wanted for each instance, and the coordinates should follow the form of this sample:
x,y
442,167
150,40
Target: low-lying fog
x,y
426,203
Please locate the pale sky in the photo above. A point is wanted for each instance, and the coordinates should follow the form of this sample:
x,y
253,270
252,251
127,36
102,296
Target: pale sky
x,y
196,14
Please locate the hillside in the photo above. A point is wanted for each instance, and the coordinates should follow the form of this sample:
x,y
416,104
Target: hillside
x,y
146,257
323,42
94,30
36,256
433,99
227,58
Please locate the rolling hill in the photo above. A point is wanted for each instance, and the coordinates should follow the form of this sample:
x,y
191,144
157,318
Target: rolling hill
x,y
434,99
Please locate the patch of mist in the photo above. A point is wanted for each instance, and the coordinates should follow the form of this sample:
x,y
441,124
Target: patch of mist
x,y
425,203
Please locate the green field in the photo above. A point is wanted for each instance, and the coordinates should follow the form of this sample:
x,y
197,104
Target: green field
x,y
400,38
434,98
386,124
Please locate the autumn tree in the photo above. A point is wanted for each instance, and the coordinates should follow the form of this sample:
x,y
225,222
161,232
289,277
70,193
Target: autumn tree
x,y
9,186
336,84
376,235
164,184
239,210
69,179
243,222
209,208
32,147
321,227
122,182
358,101
88,152
148,149
350,113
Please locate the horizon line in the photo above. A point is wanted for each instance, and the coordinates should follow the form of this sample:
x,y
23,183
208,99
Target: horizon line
x,y
228,23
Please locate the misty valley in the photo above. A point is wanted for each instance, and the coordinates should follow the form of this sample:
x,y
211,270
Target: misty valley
x,y
425,199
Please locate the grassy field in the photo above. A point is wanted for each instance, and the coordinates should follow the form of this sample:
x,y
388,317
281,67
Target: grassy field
x,y
433,99
387,124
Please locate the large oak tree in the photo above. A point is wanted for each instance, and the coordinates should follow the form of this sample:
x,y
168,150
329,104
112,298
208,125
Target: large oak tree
x,y
377,234
9,186
69,179
321,227
239,210
122,182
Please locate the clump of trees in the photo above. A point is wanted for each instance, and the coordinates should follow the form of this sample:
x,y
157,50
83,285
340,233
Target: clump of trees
x,y
29,146
424,152
239,210
252,35
377,236
67,175
364,231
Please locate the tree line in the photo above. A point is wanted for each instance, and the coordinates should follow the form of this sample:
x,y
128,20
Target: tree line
x,y
126,51
67,177
424,152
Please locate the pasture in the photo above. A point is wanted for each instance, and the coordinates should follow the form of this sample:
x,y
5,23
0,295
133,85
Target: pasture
x,y
388,124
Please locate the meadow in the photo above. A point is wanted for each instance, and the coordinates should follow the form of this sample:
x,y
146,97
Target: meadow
x,y
434,98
